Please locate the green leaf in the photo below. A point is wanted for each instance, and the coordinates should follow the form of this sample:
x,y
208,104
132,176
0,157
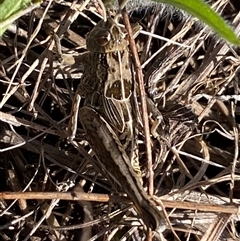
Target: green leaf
x,y
203,12
10,10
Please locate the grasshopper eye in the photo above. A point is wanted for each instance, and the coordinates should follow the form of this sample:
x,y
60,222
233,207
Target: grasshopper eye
x,y
102,38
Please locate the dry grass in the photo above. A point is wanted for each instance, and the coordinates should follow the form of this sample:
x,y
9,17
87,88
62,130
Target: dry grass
x,y
195,154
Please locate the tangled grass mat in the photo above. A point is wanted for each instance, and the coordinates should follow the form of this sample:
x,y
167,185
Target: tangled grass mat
x,y
195,157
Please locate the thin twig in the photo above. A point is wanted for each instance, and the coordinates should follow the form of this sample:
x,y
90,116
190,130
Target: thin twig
x,y
77,196
142,94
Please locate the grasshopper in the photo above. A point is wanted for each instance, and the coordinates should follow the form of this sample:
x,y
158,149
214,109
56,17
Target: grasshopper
x,y
108,116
